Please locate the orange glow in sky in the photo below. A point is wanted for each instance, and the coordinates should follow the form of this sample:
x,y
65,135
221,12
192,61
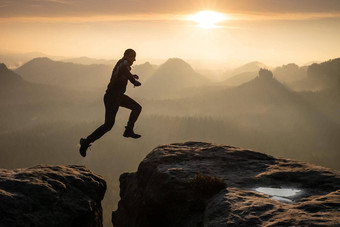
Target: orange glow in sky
x,y
272,32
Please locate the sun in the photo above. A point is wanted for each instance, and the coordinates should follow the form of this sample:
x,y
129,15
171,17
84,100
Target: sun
x,y
207,19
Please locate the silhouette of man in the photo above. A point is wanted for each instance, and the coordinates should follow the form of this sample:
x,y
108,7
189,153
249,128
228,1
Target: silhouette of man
x,y
115,97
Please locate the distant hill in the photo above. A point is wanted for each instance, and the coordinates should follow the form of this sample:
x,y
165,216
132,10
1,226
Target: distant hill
x,y
243,73
254,66
265,108
23,103
8,76
70,75
290,73
144,70
327,73
265,103
171,77
240,78
255,96
15,90
261,103
15,60
324,75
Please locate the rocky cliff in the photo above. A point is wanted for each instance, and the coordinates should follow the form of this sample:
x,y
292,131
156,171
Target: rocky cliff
x,y
51,196
204,184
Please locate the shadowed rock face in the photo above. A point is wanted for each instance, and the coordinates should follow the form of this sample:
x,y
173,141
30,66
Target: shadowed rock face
x,y
51,196
160,192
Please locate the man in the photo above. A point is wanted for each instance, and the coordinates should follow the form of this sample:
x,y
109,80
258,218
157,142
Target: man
x,y
114,98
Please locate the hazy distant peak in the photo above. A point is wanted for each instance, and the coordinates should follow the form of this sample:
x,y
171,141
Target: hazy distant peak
x,y
35,64
265,74
330,68
264,81
291,65
145,64
175,59
7,75
84,58
171,77
178,68
66,74
257,63
250,67
146,67
177,62
254,63
40,60
325,74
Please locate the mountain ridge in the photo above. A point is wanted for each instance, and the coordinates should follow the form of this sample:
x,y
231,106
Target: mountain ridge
x,y
66,74
170,78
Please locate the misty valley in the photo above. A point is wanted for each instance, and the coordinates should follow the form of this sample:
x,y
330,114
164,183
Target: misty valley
x,y
46,106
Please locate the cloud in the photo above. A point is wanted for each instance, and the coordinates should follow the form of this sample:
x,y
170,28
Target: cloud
x,y
74,8
288,16
64,2
99,18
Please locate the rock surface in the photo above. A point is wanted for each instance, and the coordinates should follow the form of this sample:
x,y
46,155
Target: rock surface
x,y
51,196
160,193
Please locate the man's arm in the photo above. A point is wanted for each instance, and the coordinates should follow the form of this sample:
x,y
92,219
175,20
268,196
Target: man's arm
x,y
126,72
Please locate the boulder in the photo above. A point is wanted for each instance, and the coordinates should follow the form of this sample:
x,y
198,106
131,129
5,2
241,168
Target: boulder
x,y
51,196
205,184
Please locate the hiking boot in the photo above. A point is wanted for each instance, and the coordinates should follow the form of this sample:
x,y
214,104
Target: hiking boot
x,y
83,146
130,133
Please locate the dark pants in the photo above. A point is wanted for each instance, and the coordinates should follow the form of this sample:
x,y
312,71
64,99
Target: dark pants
x,y
112,103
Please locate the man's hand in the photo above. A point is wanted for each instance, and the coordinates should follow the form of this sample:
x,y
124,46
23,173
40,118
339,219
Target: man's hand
x,y
137,83
135,76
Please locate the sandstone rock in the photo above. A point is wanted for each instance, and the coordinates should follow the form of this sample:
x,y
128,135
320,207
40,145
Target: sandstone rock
x,y
51,196
160,192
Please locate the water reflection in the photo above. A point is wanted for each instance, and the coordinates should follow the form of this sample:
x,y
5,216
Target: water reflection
x,y
280,194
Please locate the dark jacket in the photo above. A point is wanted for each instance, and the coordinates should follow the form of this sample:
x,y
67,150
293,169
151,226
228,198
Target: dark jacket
x,y
119,78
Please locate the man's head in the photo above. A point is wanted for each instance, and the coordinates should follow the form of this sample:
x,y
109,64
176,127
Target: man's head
x,y
130,55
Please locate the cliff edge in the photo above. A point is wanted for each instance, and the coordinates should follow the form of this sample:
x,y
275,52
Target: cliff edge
x,y
51,196
204,184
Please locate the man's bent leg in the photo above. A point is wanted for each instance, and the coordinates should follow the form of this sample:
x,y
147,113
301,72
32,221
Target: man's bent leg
x,y
136,109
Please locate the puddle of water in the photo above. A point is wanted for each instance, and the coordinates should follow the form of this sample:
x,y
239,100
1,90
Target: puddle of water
x,y
285,192
280,194
281,199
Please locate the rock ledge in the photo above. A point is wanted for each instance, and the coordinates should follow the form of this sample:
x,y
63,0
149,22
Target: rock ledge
x,y
51,196
159,193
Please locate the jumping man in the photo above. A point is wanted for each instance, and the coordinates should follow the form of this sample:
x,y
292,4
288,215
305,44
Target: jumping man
x,y
115,97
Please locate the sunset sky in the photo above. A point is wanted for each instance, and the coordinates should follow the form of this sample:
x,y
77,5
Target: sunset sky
x,y
274,32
